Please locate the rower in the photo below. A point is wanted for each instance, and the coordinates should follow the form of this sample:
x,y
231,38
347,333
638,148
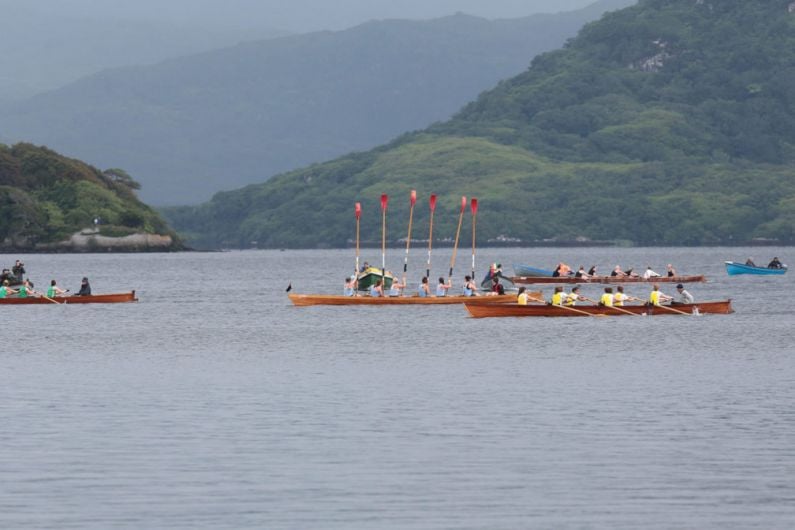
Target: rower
x,y
53,290
396,288
617,272
557,297
470,289
684,296
424,290
26,289
348,290
750,262
581,273
619,298
496,287
442,288
573,296
607,297
657,297
671,270
5,290
592,271
522,298
377,290
650,273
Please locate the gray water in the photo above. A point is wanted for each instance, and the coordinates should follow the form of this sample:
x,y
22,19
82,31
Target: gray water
x,y
212,403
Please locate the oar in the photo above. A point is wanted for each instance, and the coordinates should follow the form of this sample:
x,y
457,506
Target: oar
x,y
566,307
432,203
408,238
384,200
474,207
457,234
358,213
612,307
50,299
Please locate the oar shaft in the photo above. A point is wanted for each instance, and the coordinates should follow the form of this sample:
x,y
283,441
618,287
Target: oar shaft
x,y
563,306
430,247
455,245
408,244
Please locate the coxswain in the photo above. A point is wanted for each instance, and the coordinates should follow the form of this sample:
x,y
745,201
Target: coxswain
x,y
775,264
657,297
85,287
521,299
557,296
607,297
53,290
364,267
619,297
684,296
424,291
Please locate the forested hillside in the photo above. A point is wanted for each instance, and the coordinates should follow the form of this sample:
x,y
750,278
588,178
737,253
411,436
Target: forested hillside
x,y
45,198
669,122
192,126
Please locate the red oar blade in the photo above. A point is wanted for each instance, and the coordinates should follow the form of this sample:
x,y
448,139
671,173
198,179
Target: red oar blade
x,y
433,202
358,210
413,197
474,206
463,203
384,200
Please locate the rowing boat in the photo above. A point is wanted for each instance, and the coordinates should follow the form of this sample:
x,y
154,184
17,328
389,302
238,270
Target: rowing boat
x,y
371,275
721,307
527,270
733,268
329,299
115,298
607,279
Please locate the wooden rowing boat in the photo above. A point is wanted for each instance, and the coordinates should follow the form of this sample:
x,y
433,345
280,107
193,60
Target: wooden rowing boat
x,y
115,298
721,307
607,279
329,299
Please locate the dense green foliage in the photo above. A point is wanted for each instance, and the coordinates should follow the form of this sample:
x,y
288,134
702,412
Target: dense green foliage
x,y
189,127
46,197
670,122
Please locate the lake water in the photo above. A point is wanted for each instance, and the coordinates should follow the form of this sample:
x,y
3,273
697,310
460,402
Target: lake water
x,y
212,403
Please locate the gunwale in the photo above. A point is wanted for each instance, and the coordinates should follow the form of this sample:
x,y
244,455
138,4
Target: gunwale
x,y
303,300
111,298
719,307
529,280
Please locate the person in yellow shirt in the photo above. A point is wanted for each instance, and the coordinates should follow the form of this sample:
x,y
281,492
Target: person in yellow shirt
x,y
607,298
522,298
657,297
573,296
619,298
557,297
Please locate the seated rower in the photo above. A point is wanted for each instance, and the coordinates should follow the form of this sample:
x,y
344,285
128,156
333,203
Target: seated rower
x,y
684,296
657,297
496,287
750,262
619,297
592,271
424,290
396,288
581,273
442,287
671,271
573,296
348,290
650,273
557,297
5,290
377,290
470,289
521,299
53,290
775,264
26,289
617,272
607,297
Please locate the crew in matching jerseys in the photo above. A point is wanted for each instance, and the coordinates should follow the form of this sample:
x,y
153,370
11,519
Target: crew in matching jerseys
x,y
557,296
350,286
573,296
607,297
424,290
619,297
53,290
442,287
657,297
470,289
5,290
522,298
377,289
396,288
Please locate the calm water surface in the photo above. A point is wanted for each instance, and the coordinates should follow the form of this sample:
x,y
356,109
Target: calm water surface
x,y
212,403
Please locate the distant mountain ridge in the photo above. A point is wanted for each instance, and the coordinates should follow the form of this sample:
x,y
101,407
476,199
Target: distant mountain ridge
x,y
671,122
188,127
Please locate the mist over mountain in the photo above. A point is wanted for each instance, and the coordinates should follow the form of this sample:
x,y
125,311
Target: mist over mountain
x,y
188,127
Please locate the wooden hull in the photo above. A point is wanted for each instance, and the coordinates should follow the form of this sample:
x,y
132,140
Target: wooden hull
x,y
722,307
303,300
607,280
116,298
733,269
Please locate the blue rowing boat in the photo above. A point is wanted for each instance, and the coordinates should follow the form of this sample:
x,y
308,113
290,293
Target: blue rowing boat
x,y
734,268
527,270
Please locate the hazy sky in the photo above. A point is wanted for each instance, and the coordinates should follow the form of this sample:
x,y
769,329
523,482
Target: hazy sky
x,y
292,15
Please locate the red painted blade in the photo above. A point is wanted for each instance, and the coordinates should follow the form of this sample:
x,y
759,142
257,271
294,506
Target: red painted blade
x,y
433,202
413,197
358,210
474,206
463,203
384,200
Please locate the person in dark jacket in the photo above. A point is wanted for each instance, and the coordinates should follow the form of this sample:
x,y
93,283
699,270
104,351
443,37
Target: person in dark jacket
x,y
85,288
775,264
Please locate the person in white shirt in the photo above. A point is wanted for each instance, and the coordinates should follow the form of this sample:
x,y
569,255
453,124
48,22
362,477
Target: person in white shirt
x,y
650,273
684,296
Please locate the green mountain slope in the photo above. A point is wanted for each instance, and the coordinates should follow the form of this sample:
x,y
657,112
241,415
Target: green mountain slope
x,y
670,122
195,125
45,198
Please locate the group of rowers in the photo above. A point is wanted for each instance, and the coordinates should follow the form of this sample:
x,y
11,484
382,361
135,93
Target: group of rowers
x,y
423,290
24,287
564,270
609,298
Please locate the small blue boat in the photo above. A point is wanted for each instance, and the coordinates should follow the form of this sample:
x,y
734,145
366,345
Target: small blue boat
x,y
734,268
526,270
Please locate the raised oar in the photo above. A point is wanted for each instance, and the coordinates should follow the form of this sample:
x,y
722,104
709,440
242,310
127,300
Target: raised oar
x,y
457,235
358,213
474,207
662,306
432,203
566,307
384,200
621,309
408,238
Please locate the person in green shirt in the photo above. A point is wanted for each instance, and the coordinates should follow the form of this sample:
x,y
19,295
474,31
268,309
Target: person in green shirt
x,y
53,290
5,290
26,289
